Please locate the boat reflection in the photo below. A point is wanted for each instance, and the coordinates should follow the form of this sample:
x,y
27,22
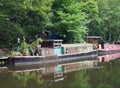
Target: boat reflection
x,y
108,57
54,71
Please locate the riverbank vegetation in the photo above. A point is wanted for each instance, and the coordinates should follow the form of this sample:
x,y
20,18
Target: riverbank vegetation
x,y
72,20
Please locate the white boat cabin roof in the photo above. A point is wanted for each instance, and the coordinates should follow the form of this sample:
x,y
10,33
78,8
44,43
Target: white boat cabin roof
x,y
95,37
77,45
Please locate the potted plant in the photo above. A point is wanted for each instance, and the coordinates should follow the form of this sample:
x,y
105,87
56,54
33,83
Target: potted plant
x,y
24,47
39,41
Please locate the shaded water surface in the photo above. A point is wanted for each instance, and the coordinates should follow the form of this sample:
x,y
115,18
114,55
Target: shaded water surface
x,y
105,76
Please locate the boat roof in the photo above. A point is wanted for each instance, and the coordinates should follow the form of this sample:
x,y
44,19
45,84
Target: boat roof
x,y
93,36
76,45
54,40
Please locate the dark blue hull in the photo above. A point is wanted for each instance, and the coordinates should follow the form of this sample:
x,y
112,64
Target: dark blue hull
x,y
28,62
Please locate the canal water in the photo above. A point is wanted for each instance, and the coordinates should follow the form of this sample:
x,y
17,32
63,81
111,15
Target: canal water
x,y
85,74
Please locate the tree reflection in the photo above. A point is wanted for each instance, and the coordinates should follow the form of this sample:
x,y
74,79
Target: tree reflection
x,y
81,80
29,79
20,80
106,77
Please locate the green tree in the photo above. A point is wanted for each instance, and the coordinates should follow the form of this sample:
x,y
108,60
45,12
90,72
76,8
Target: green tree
x,y
109,13
37,16
68,20
9,32
90,7
26,16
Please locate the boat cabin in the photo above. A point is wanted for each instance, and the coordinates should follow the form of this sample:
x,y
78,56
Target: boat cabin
x,y
51,43
55,47
51,47
94,40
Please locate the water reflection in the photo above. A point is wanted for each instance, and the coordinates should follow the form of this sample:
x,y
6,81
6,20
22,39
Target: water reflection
x,y
109,57
107,77
64,75
54,72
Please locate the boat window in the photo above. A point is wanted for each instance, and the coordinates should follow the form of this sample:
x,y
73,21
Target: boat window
x,y
76,49
47,52
85,47
66,50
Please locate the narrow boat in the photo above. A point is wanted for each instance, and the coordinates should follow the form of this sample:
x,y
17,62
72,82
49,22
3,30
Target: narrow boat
x,y
54,51
109,48
104,48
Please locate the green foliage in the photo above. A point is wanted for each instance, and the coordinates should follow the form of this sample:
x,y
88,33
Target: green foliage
x,y
24,46
68,19
108,26
104,85
28,16
9,32
40,40
36,17
90,7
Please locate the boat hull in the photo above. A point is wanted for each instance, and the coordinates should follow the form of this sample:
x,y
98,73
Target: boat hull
x,y
104,52
109,49
29,62
78,56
